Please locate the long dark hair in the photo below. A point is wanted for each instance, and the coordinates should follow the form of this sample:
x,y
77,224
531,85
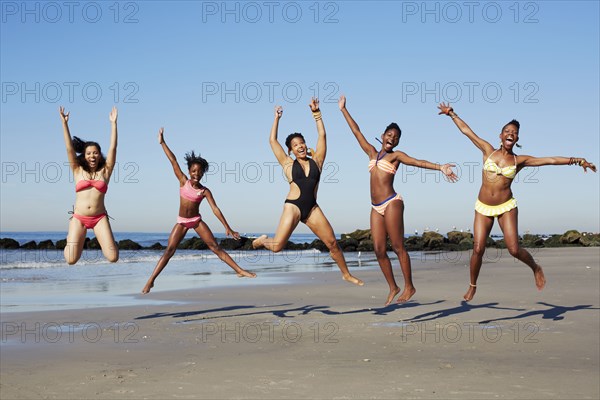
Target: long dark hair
x,y
80,145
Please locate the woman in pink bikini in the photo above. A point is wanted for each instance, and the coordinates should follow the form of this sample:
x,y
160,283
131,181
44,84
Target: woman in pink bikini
x,y
191,194
387,212
91,171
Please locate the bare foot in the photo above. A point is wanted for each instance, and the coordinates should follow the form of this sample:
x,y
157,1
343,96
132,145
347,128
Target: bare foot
x,y
540,279
147,288
407,294
391,296
352,279
470,292
259,242
245,274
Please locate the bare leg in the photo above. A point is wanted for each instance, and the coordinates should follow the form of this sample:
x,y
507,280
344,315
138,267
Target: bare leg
x,y
482,226
287,223
106,240
509,225
177,234
75,241
394,222
322,228
207,236
379,234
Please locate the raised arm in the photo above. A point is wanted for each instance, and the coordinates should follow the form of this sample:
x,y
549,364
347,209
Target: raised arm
x,y
217,211
111,156
481,144
364,144
280,154
176,168
71,155
321,150
529,161
446,169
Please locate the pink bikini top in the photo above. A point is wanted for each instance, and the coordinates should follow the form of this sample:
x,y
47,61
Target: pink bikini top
x,y
188,192
101,186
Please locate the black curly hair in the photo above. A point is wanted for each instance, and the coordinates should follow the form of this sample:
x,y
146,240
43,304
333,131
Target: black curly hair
x,y
191,159
513,122
292,136
80,145
395,126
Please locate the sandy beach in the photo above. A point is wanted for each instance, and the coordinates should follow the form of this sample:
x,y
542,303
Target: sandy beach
x,y
319,337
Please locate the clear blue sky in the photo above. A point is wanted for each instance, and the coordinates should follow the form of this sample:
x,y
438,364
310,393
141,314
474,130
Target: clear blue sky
x,y
212,72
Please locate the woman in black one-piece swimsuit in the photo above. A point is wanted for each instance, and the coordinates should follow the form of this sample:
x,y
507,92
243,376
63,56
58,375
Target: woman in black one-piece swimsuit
x,y
303,173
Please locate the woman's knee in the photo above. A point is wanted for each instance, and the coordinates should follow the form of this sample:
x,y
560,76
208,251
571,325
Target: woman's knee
x,y
478,250
380,251
513,250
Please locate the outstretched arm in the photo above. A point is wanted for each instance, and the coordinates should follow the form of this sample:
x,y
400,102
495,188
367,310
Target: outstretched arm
x,y
71,155
446,169
280,154
481,144
219,215
321,150
364,144
111,156
529,161
176,168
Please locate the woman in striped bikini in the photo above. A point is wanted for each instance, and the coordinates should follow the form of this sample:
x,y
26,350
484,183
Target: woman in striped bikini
x,y
495,196
91,171
387,213
191,194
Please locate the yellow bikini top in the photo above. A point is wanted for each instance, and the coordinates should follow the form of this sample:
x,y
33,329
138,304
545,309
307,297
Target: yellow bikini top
x,y
382,164
491,166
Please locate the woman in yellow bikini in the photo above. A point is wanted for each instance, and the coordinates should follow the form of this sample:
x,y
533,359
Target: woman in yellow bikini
x,y
495,197
387,213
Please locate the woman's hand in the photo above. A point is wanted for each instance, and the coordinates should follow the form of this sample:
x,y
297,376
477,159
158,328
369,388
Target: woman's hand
x,y
445,109
113,115
233,234
342,102
447,170
585,165
314,104
63,115
161,139
278,112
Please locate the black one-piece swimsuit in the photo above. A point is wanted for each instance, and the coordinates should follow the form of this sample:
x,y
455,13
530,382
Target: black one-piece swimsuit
x,y
307,184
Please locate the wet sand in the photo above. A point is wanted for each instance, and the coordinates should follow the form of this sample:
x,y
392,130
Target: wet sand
x,y
320,337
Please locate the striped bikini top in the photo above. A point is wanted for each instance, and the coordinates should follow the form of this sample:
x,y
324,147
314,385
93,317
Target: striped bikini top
x,y
382,164
508,172
188,192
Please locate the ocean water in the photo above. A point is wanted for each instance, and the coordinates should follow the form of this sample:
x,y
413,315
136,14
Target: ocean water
x,y
34,280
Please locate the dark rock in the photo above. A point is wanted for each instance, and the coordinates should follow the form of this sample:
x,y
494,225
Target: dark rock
x,y
157,246
433,240
466,244
532,241
8,243
94,245
128,244
296,246
570,237
489,242
456,236
29,245
359,235
414,243
61,244
553,241
348,244
194,243
588,240
231,244
501,244
365,245
318,244
46,245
